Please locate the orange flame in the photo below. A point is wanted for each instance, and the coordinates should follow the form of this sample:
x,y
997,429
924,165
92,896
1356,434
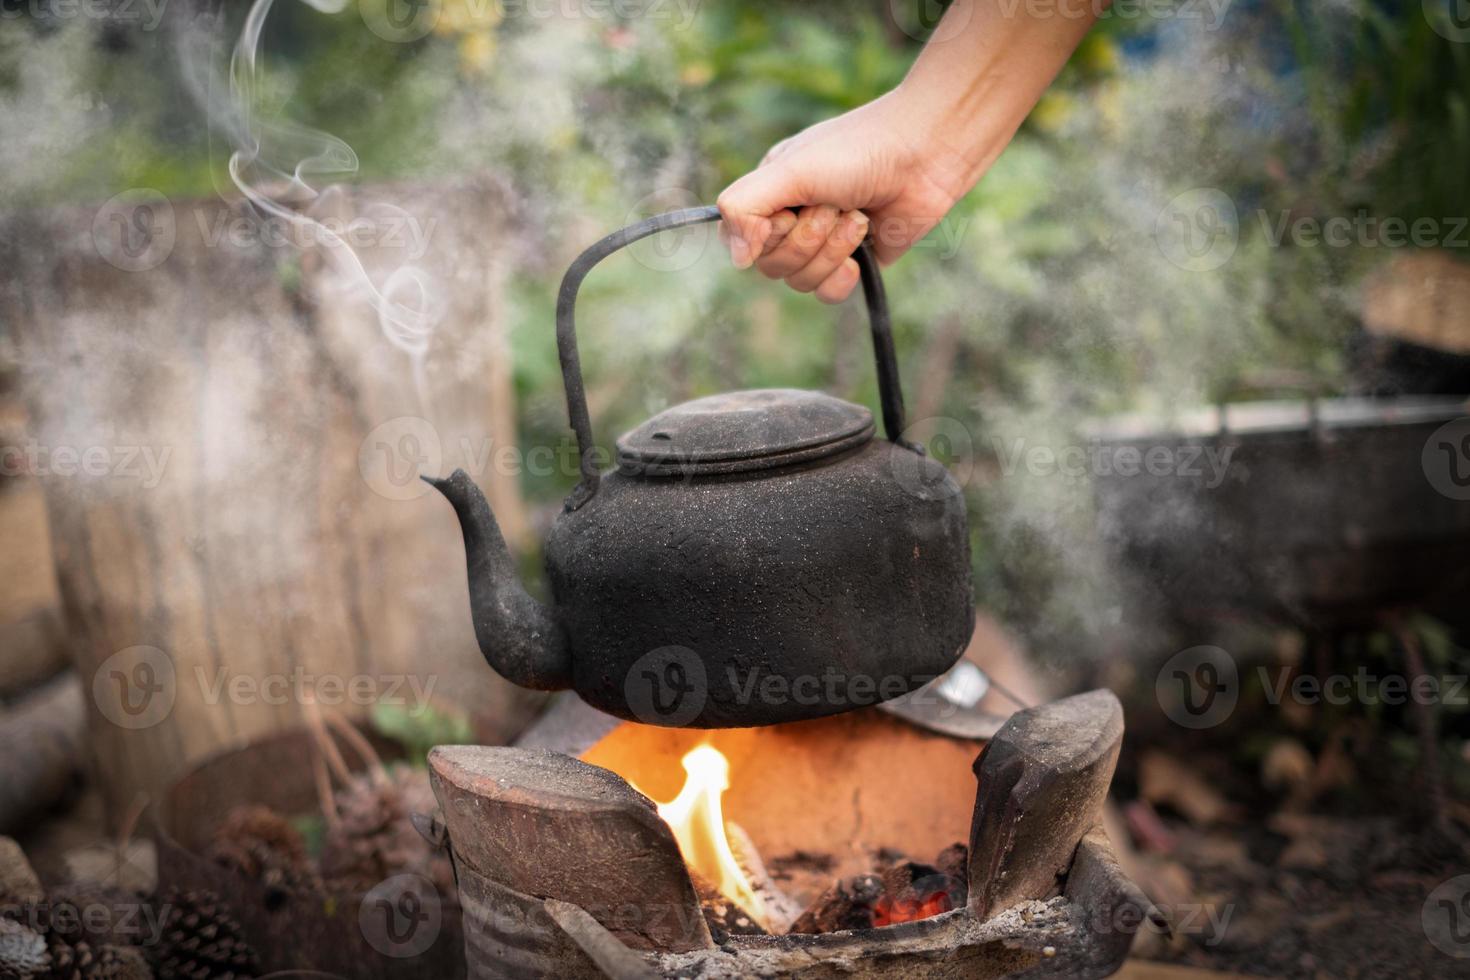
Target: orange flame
x,y
698,823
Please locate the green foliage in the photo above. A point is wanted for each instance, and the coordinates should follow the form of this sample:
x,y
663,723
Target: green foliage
x,y
1048,273
423,728
313,830
1388,98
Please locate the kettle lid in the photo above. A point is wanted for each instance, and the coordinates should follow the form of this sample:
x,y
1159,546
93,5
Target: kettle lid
x,y
743,430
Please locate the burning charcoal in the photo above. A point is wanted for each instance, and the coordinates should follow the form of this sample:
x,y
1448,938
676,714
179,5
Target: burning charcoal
x,y
900,876
781,866
777,909
914,891
848,904
725,918
954,861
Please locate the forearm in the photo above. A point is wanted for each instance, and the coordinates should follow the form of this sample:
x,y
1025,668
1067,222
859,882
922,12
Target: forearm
x,y
893,168
983,70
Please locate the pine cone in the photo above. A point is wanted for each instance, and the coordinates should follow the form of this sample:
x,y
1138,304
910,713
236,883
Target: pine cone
x,y
82,961
100,914
262,835
376,837
23,952
123,963
201,940
53,921
68,960
259,843
18,881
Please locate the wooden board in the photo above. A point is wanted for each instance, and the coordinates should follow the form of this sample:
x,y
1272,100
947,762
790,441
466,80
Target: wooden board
x,y
31,644
254,547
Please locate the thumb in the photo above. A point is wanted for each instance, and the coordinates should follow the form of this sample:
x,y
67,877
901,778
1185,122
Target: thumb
x,y
748,204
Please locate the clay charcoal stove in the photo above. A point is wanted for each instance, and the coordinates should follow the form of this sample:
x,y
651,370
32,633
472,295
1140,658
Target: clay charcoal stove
x,y
855,845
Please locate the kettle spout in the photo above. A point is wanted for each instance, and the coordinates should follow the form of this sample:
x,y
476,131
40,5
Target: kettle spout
x,y
518,635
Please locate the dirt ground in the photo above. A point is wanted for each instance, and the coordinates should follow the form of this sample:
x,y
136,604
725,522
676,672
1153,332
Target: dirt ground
x,y
1305,847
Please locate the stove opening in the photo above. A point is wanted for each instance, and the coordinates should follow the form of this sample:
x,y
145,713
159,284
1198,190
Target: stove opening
x,y
855,821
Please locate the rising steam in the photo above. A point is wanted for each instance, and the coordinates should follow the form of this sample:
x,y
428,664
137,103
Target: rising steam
x,y
284,169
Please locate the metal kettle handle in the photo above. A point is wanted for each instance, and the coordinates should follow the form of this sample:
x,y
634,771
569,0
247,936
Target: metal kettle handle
x,y
890,395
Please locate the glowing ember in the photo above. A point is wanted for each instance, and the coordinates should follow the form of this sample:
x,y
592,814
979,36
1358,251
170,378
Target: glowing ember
x,y
890,911
699,827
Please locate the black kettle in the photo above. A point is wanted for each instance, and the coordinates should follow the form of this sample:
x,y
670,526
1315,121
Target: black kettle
x,y
753,557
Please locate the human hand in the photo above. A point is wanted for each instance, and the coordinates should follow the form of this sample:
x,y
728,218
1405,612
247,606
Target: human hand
x,y
898,164
800,215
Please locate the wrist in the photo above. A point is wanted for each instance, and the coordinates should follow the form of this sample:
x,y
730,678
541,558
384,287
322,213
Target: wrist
x,y
956,133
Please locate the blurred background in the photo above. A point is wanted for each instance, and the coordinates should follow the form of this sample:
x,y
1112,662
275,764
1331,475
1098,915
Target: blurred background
x,y
1145,247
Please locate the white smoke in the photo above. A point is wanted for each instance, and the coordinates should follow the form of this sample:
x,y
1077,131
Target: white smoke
x,y
286,171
